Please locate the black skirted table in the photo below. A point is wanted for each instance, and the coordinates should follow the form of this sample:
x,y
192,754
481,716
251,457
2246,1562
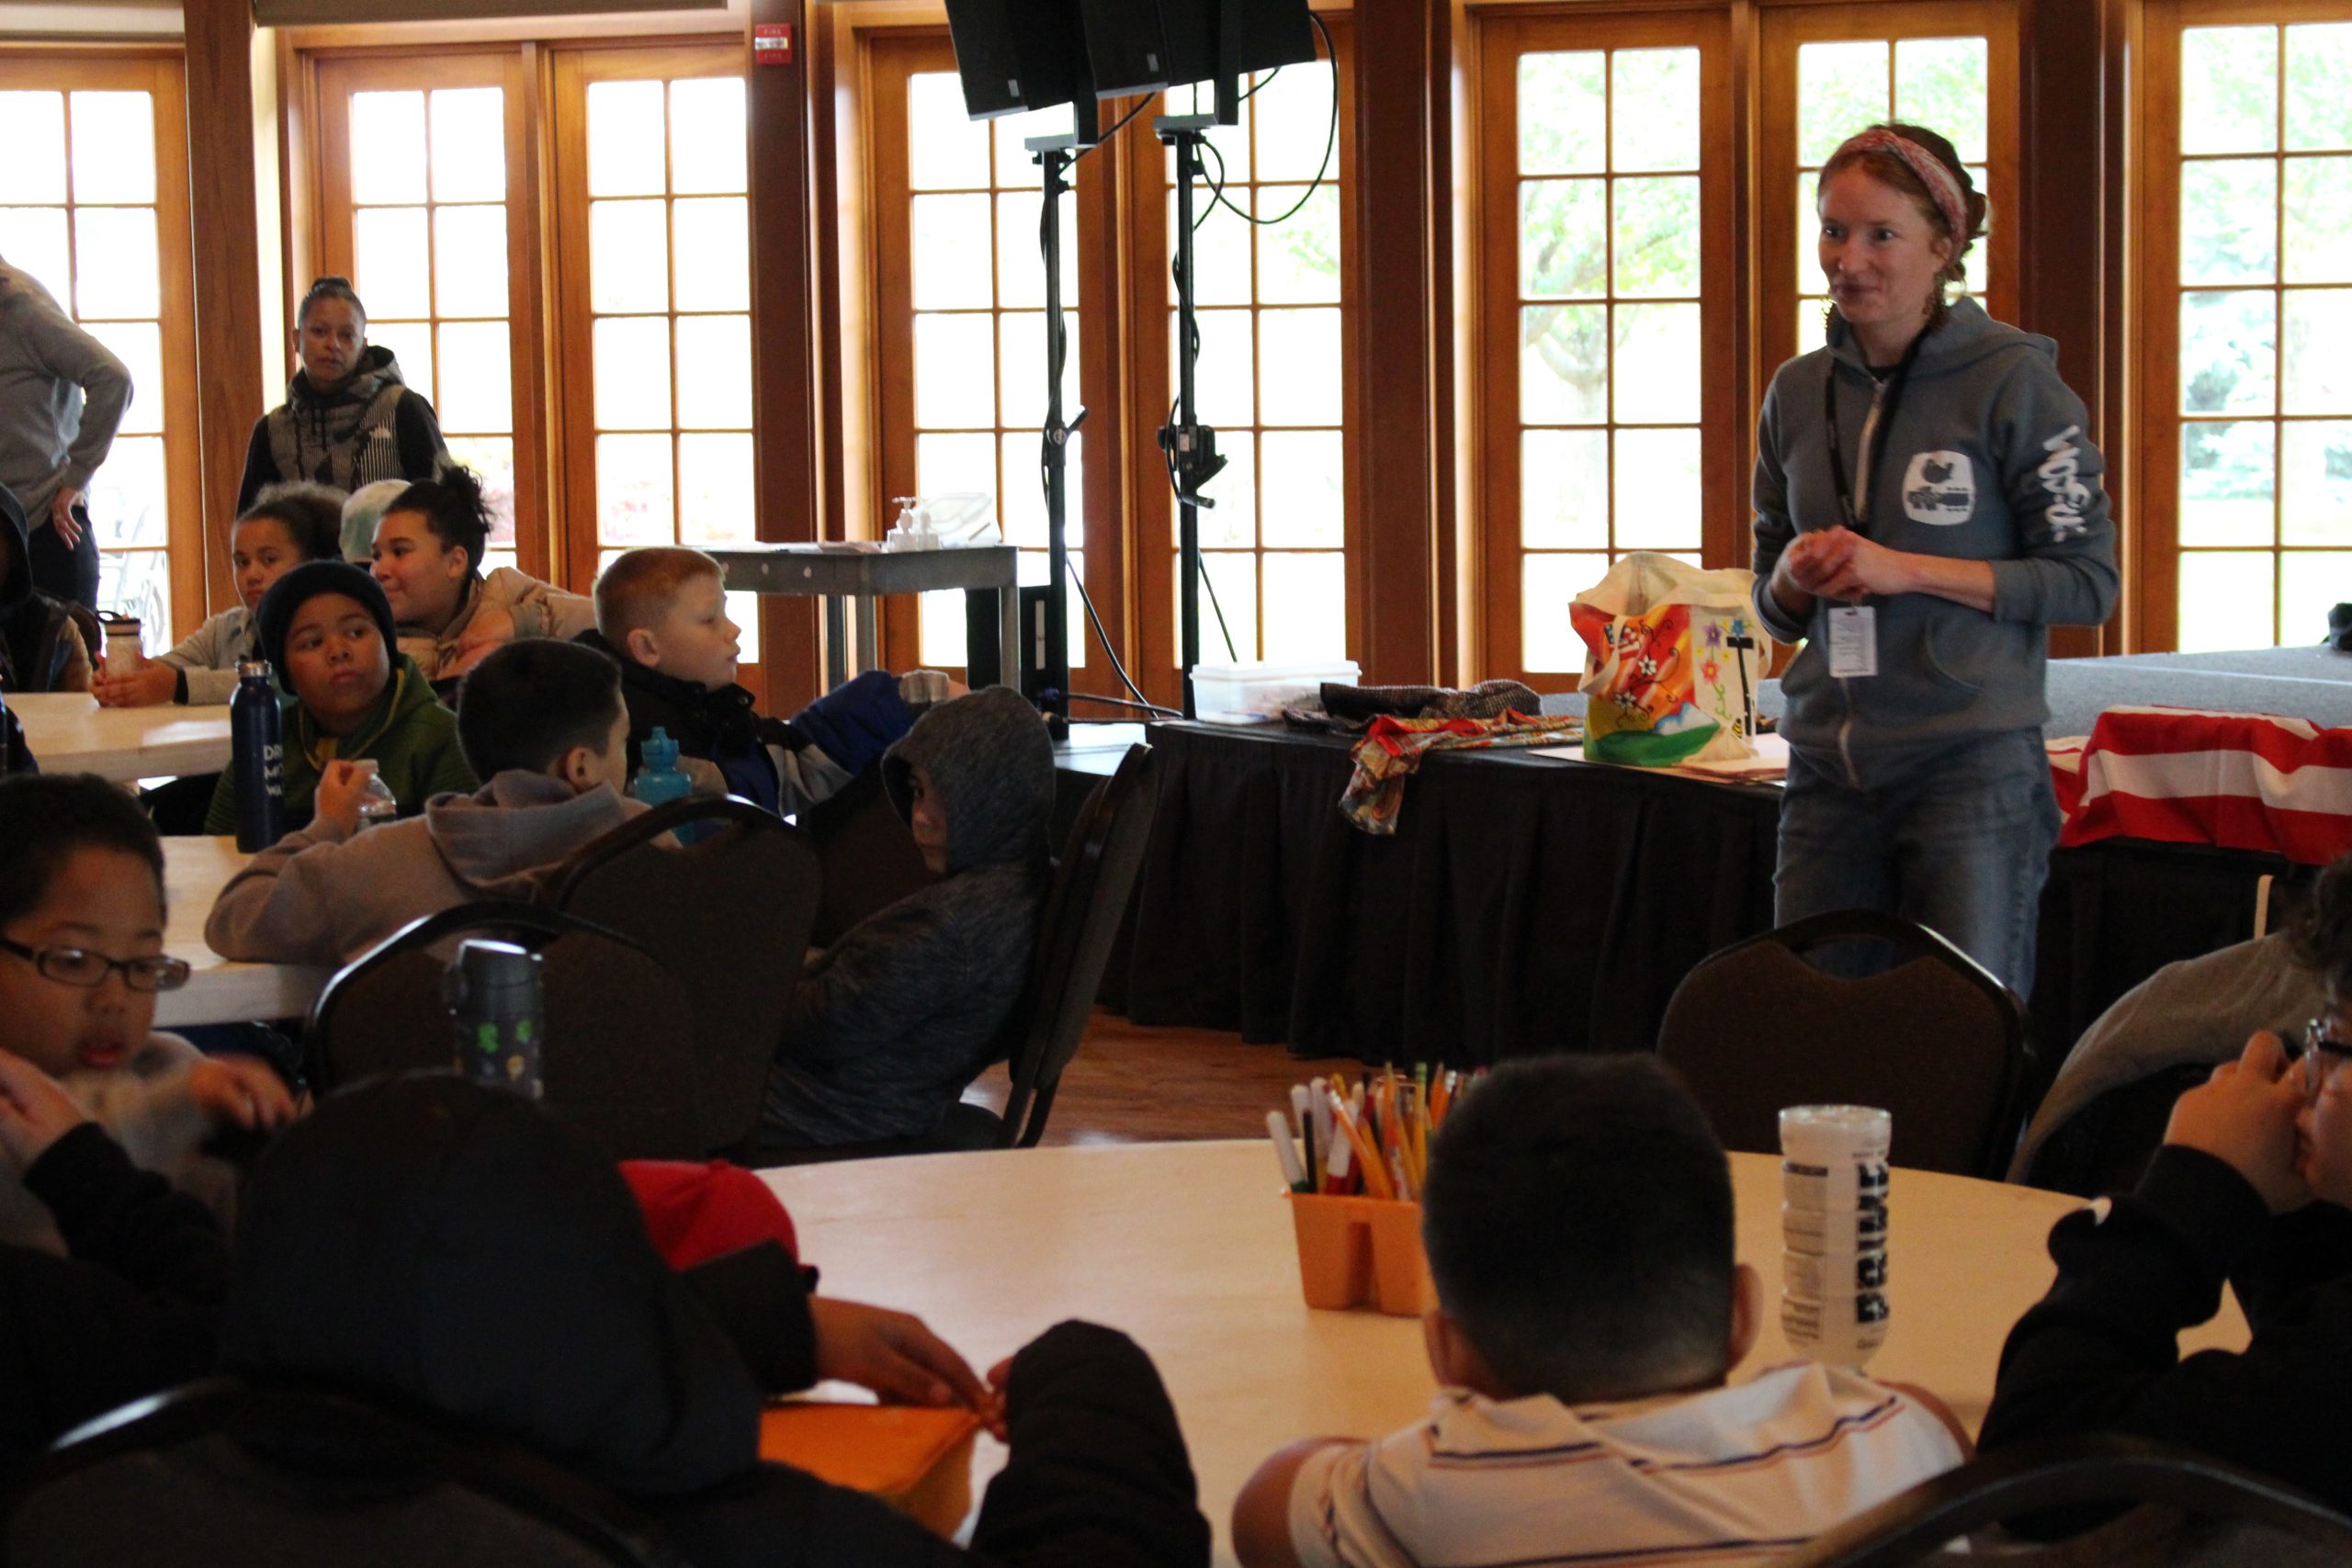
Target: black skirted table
x,y
1530,904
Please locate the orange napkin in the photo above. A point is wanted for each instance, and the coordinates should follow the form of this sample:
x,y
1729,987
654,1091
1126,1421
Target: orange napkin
x,y
916,1459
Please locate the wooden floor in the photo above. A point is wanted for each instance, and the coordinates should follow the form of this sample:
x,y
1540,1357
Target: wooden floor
x,y
1129,1085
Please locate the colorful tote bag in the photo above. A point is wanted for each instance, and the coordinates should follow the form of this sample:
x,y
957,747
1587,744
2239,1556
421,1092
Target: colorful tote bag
x,y
1672,659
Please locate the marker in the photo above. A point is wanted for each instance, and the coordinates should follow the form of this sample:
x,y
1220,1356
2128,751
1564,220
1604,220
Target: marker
x,y
1375,1180
1278,1129
1339,1176
1308,1144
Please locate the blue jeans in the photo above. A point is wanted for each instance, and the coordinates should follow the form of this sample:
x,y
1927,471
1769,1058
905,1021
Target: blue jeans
x,y
1956,837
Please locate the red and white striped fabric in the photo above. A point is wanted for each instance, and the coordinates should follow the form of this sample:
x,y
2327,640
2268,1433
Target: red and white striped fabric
x,y
2242,781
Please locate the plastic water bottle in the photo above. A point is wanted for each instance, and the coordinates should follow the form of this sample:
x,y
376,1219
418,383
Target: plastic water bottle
x,y
378,804
257,748
659,782
497,1012
1833,1230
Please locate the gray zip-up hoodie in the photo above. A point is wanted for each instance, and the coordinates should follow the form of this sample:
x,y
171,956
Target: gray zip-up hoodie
x,y
62,395
1984,459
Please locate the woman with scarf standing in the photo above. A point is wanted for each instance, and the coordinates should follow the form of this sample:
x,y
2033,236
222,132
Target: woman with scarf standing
x,y
348,420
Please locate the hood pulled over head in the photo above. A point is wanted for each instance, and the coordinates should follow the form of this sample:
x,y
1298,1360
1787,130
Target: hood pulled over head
x,y
992,763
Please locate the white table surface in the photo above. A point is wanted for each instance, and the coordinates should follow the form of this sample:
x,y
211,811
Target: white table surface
x,y
1188,1248
220,991
70,733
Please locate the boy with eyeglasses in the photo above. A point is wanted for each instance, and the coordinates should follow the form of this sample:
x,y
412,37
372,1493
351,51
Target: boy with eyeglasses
x,y
2254,1186
81,963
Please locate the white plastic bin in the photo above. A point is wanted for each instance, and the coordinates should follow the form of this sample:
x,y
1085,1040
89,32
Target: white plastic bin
x,y
1255,692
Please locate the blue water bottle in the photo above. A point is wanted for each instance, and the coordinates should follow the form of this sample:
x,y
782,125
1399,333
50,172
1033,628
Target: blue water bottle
x,y
257,744
659,782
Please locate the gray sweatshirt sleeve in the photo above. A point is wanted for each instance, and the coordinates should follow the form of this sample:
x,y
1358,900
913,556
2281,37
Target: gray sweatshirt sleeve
x,y
2051,474
205,657
280,909
73,355
1773,525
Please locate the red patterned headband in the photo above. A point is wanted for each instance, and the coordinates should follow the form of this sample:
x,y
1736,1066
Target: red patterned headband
x,y
1933,173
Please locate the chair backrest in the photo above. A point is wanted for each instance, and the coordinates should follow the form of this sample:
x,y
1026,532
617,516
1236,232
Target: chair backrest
x,y
728,915
618,1062
868,854
1075,932
223,1475
1936,1041
2187,1511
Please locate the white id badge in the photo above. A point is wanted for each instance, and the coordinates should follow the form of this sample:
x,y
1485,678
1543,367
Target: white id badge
x,y
1853,641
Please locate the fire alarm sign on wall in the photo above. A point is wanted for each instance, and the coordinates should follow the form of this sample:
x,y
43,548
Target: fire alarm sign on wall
x,y
772,43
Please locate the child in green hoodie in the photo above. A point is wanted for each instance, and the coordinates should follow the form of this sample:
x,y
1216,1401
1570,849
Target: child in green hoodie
x,y
327,629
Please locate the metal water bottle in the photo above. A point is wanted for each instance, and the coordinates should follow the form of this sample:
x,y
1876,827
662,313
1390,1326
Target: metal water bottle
x,y
257,745
498,1012
16,755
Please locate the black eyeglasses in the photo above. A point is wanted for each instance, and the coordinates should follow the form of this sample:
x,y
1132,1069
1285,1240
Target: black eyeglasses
x,y
2320,1046
79,967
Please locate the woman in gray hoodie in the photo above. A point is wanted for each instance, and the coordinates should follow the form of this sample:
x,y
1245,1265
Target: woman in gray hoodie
x,y
1927,505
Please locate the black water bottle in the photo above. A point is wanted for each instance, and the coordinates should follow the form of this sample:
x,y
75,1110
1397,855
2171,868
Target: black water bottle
x,y
257,745
498,1012
16,756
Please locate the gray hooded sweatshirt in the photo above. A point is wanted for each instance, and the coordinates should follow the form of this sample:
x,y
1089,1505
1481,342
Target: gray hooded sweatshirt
x,y
1985,458
894,1018
322,896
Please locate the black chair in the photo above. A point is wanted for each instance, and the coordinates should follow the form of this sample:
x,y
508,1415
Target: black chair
x,y
867,854
227,1476
1937,1041
2185,1511
1081,920
619,1060
729,915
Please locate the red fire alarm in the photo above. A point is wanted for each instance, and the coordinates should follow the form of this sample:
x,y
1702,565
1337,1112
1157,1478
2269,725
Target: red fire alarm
x,y
772,43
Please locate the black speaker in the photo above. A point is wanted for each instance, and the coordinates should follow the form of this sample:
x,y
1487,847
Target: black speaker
x,y
1258,35
1017,54
1139,46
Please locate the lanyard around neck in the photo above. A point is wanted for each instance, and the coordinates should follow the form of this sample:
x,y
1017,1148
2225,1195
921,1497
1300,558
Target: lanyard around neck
x,y
1884,401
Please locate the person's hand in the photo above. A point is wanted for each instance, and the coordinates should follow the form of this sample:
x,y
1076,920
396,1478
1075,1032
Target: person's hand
x,y
895,1356
339,792
241,1090
140,688
489,631
34,1112
2245,1116
1812,561
709,782
1868,567
62,518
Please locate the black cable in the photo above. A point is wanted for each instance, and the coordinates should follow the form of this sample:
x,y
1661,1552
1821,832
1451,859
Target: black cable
x,y
1123,702
1330,147
1176,483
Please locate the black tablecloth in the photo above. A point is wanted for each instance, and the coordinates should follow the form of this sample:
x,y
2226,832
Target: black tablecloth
x,y
1526,904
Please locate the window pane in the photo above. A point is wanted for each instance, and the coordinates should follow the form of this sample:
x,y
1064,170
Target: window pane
x,y
1658,235
1033,569
634,499
113,147
1020,264
128,494
1563,113
1309,594
1841,88
116,269
2318,329
1654,109
1657,363
2227,359
954,372
1020,508
470,261
715,502
743,609
1299,367
392,265
1220,252
1979,260
1658,502
492,456
626,144
1304,487
2229,216
2227,482
1294,123
1563,364
2311,584
1813,324
33,239
2226,601
2319,62
1298,260
411,347
476,379
1563,239
2229,90
1547,584
1232,523
941,616
713,253
386,147
2319,220
631,370
139,583
1227,398
944,149
1015,165
1564,489
715,372
1021,368
32,127
1940,83
2317,467
470,144
1230,580
628,256
948,233
955,465
140,347
709,135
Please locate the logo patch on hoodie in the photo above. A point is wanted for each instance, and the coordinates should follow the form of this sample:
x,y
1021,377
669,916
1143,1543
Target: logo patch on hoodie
x,y
1939,488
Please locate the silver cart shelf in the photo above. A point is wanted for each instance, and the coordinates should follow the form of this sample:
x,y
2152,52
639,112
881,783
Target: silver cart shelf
x,y
842,577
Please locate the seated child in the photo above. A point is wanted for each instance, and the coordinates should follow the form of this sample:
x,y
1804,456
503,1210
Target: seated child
x,y
662,612
1578,1221
40,648
543,722
2252,1187
894,1020
290,524
362,509
326,630
81,960
427,554
505,1280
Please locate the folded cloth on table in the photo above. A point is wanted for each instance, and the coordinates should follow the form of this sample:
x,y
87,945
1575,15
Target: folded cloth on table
x,y
1351,708
1392,750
